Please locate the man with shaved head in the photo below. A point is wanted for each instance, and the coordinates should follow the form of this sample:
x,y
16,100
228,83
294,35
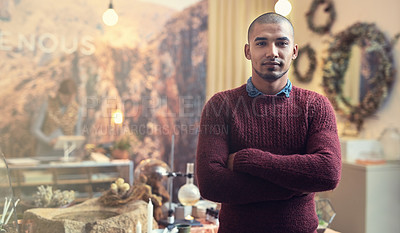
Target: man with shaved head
x,y
266,147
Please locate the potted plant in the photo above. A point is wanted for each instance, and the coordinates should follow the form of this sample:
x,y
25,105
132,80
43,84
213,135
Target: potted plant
x,y
121,148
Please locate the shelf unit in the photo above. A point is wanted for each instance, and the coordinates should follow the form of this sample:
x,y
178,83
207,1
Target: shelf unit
x,y
88,178
367,198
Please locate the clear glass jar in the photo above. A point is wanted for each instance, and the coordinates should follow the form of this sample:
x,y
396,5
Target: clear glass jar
x,y
390,141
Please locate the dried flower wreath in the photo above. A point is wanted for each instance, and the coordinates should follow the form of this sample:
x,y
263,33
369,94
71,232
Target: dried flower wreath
x,y
312,64
329,9
370,38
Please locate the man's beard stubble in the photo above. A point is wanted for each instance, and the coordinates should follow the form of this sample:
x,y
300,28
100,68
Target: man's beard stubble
x,y
271,77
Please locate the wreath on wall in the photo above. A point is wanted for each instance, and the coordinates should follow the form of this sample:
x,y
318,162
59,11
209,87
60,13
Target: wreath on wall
x,y
372,40
311,65
330,9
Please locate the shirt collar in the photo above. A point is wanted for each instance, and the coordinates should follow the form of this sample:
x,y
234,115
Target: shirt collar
x,y
252,91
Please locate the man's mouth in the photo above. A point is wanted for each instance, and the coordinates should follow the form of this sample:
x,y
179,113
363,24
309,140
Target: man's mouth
x,y
271,63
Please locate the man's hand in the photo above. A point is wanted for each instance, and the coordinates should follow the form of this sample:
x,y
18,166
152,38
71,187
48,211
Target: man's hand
x,y
230,161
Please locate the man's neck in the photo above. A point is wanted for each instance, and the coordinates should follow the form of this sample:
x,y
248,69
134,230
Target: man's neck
x,y
269,87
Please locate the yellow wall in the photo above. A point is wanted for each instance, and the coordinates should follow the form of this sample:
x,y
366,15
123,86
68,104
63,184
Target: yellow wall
x,y
228,22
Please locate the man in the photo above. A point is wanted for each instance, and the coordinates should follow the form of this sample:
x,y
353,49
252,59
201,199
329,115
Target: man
x,y
58,116
266,147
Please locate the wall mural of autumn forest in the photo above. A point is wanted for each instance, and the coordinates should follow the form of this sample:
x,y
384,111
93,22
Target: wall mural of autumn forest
x,y
154,58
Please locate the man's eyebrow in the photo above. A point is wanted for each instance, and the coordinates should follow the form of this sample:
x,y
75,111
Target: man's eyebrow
x,y
265,38
283,38
260,38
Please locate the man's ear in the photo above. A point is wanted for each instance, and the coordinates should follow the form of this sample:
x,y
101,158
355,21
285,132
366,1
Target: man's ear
x,y
247,51
295,52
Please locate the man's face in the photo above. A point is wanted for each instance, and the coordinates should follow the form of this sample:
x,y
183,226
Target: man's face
x,y
65,99
271,50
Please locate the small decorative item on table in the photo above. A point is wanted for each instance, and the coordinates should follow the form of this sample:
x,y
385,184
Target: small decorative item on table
x,y
152,174
47,197
189,218
189,193
183,228
119,193
212,215
325,213
8,218
11,205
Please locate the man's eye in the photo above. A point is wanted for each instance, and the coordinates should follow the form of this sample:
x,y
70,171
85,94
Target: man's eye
x,y
283,43
261,43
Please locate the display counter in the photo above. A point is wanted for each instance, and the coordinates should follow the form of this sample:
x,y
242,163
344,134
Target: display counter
x,y
87,178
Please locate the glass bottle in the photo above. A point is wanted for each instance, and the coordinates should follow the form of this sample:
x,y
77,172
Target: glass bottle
x,y
189,193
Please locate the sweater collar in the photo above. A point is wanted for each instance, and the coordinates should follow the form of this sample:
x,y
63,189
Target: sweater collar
x,y
252,91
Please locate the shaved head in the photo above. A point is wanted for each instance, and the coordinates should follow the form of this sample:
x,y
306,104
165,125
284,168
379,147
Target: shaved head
x,y
269,18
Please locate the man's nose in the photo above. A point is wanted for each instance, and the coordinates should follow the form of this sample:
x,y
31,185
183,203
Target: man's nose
x,y
272,51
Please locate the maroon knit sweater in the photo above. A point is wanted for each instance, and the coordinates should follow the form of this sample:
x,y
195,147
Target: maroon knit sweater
x,y
287,149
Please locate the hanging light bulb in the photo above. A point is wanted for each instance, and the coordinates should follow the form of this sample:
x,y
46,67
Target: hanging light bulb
x,y
110,17
117,117
283,7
